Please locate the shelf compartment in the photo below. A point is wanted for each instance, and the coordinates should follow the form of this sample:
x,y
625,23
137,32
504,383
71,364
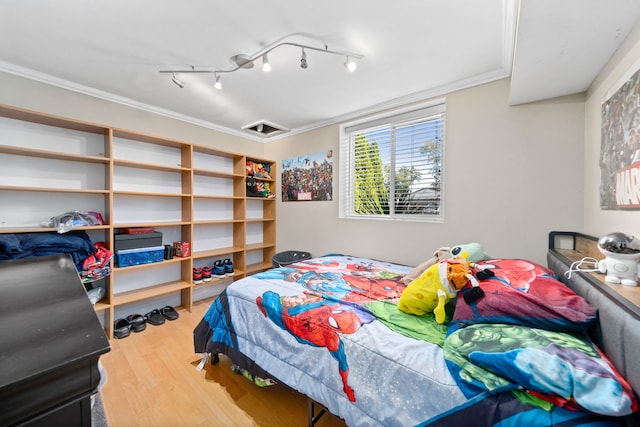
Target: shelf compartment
x,y
217,280
213,210
153,264
207,160
29,209
258,232
132,147
39,134
38,172
214,236
213,186
151,224
212,253
149,292
257,268
51,190
204,196
257,246
216,174
144,208
259,257
257,178
101,306
34,229
54,155
147,194
218,221
23,115
150,166
147,180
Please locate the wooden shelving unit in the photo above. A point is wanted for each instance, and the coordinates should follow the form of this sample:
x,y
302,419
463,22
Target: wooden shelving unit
x,y
190,192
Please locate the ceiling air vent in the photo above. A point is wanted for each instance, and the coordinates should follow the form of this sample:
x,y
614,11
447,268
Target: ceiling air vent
x,y
265,129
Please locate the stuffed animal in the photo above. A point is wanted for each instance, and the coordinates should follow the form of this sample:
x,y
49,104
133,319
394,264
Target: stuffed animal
x,y
258,170
471,251
439,284
268,194
250,168
440,255
262,170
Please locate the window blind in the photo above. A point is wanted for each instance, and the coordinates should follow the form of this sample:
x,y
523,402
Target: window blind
x,y
393,167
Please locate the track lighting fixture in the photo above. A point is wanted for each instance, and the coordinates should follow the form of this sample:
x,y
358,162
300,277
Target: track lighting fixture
x,y
242,61
350,65
266,67
178,83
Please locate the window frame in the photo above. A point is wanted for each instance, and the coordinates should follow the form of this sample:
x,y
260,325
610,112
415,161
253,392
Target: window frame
x,y
390,119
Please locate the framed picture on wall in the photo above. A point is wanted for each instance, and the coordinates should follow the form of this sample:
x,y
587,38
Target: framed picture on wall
x,y
620,144
308,178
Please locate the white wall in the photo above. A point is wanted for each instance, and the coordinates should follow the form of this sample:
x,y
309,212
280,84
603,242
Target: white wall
x,y
598,222
512,174
32,95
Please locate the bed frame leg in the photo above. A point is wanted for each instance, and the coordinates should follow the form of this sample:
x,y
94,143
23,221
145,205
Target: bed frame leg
x,y
313,417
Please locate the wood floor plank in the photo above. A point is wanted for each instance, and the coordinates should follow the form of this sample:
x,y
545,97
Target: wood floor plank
x,y
152,381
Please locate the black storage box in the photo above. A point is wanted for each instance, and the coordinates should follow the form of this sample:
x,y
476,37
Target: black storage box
x,y
283,259
135,241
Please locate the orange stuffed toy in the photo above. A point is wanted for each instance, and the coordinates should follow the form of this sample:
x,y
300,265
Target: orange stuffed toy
x,y
435,287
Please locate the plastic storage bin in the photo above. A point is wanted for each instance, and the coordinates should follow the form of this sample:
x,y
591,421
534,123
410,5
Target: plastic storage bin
x,y
285,258
129,257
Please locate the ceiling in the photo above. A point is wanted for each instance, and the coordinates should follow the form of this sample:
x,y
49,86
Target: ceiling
x,y
412,50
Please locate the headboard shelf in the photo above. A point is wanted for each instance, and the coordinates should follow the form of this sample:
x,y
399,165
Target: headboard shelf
x,y
572,246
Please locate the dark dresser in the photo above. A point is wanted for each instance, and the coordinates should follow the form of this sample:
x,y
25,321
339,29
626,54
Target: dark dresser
x,y
50,343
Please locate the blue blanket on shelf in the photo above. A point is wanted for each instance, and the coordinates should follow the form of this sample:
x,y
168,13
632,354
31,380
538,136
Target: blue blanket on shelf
x,y
24,245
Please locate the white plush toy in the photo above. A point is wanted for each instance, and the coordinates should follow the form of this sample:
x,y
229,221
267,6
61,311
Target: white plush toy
x,y
622,253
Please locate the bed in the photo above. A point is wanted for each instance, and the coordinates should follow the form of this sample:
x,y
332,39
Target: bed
x,y
330,328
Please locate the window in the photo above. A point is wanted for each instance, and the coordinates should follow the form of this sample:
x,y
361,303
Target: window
x,y
391,167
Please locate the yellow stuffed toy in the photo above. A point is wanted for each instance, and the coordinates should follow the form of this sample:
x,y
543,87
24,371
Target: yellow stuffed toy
x,y
435,287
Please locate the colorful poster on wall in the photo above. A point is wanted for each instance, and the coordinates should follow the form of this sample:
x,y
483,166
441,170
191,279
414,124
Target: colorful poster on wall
x,y
308,178
620,145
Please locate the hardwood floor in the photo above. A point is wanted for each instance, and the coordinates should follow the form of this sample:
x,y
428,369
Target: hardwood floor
x,y
152,381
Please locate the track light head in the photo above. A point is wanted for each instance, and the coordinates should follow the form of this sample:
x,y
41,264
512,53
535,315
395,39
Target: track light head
x,y
303,60
218,83
178,83
266,66
350,65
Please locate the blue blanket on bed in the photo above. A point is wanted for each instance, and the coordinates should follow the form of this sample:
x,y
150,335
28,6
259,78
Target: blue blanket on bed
x,y
322,327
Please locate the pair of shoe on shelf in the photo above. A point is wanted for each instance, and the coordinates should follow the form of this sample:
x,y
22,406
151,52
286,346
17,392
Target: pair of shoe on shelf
x,y
220,269
137,323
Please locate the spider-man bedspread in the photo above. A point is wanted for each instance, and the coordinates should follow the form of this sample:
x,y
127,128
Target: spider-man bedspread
x,y
330,328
